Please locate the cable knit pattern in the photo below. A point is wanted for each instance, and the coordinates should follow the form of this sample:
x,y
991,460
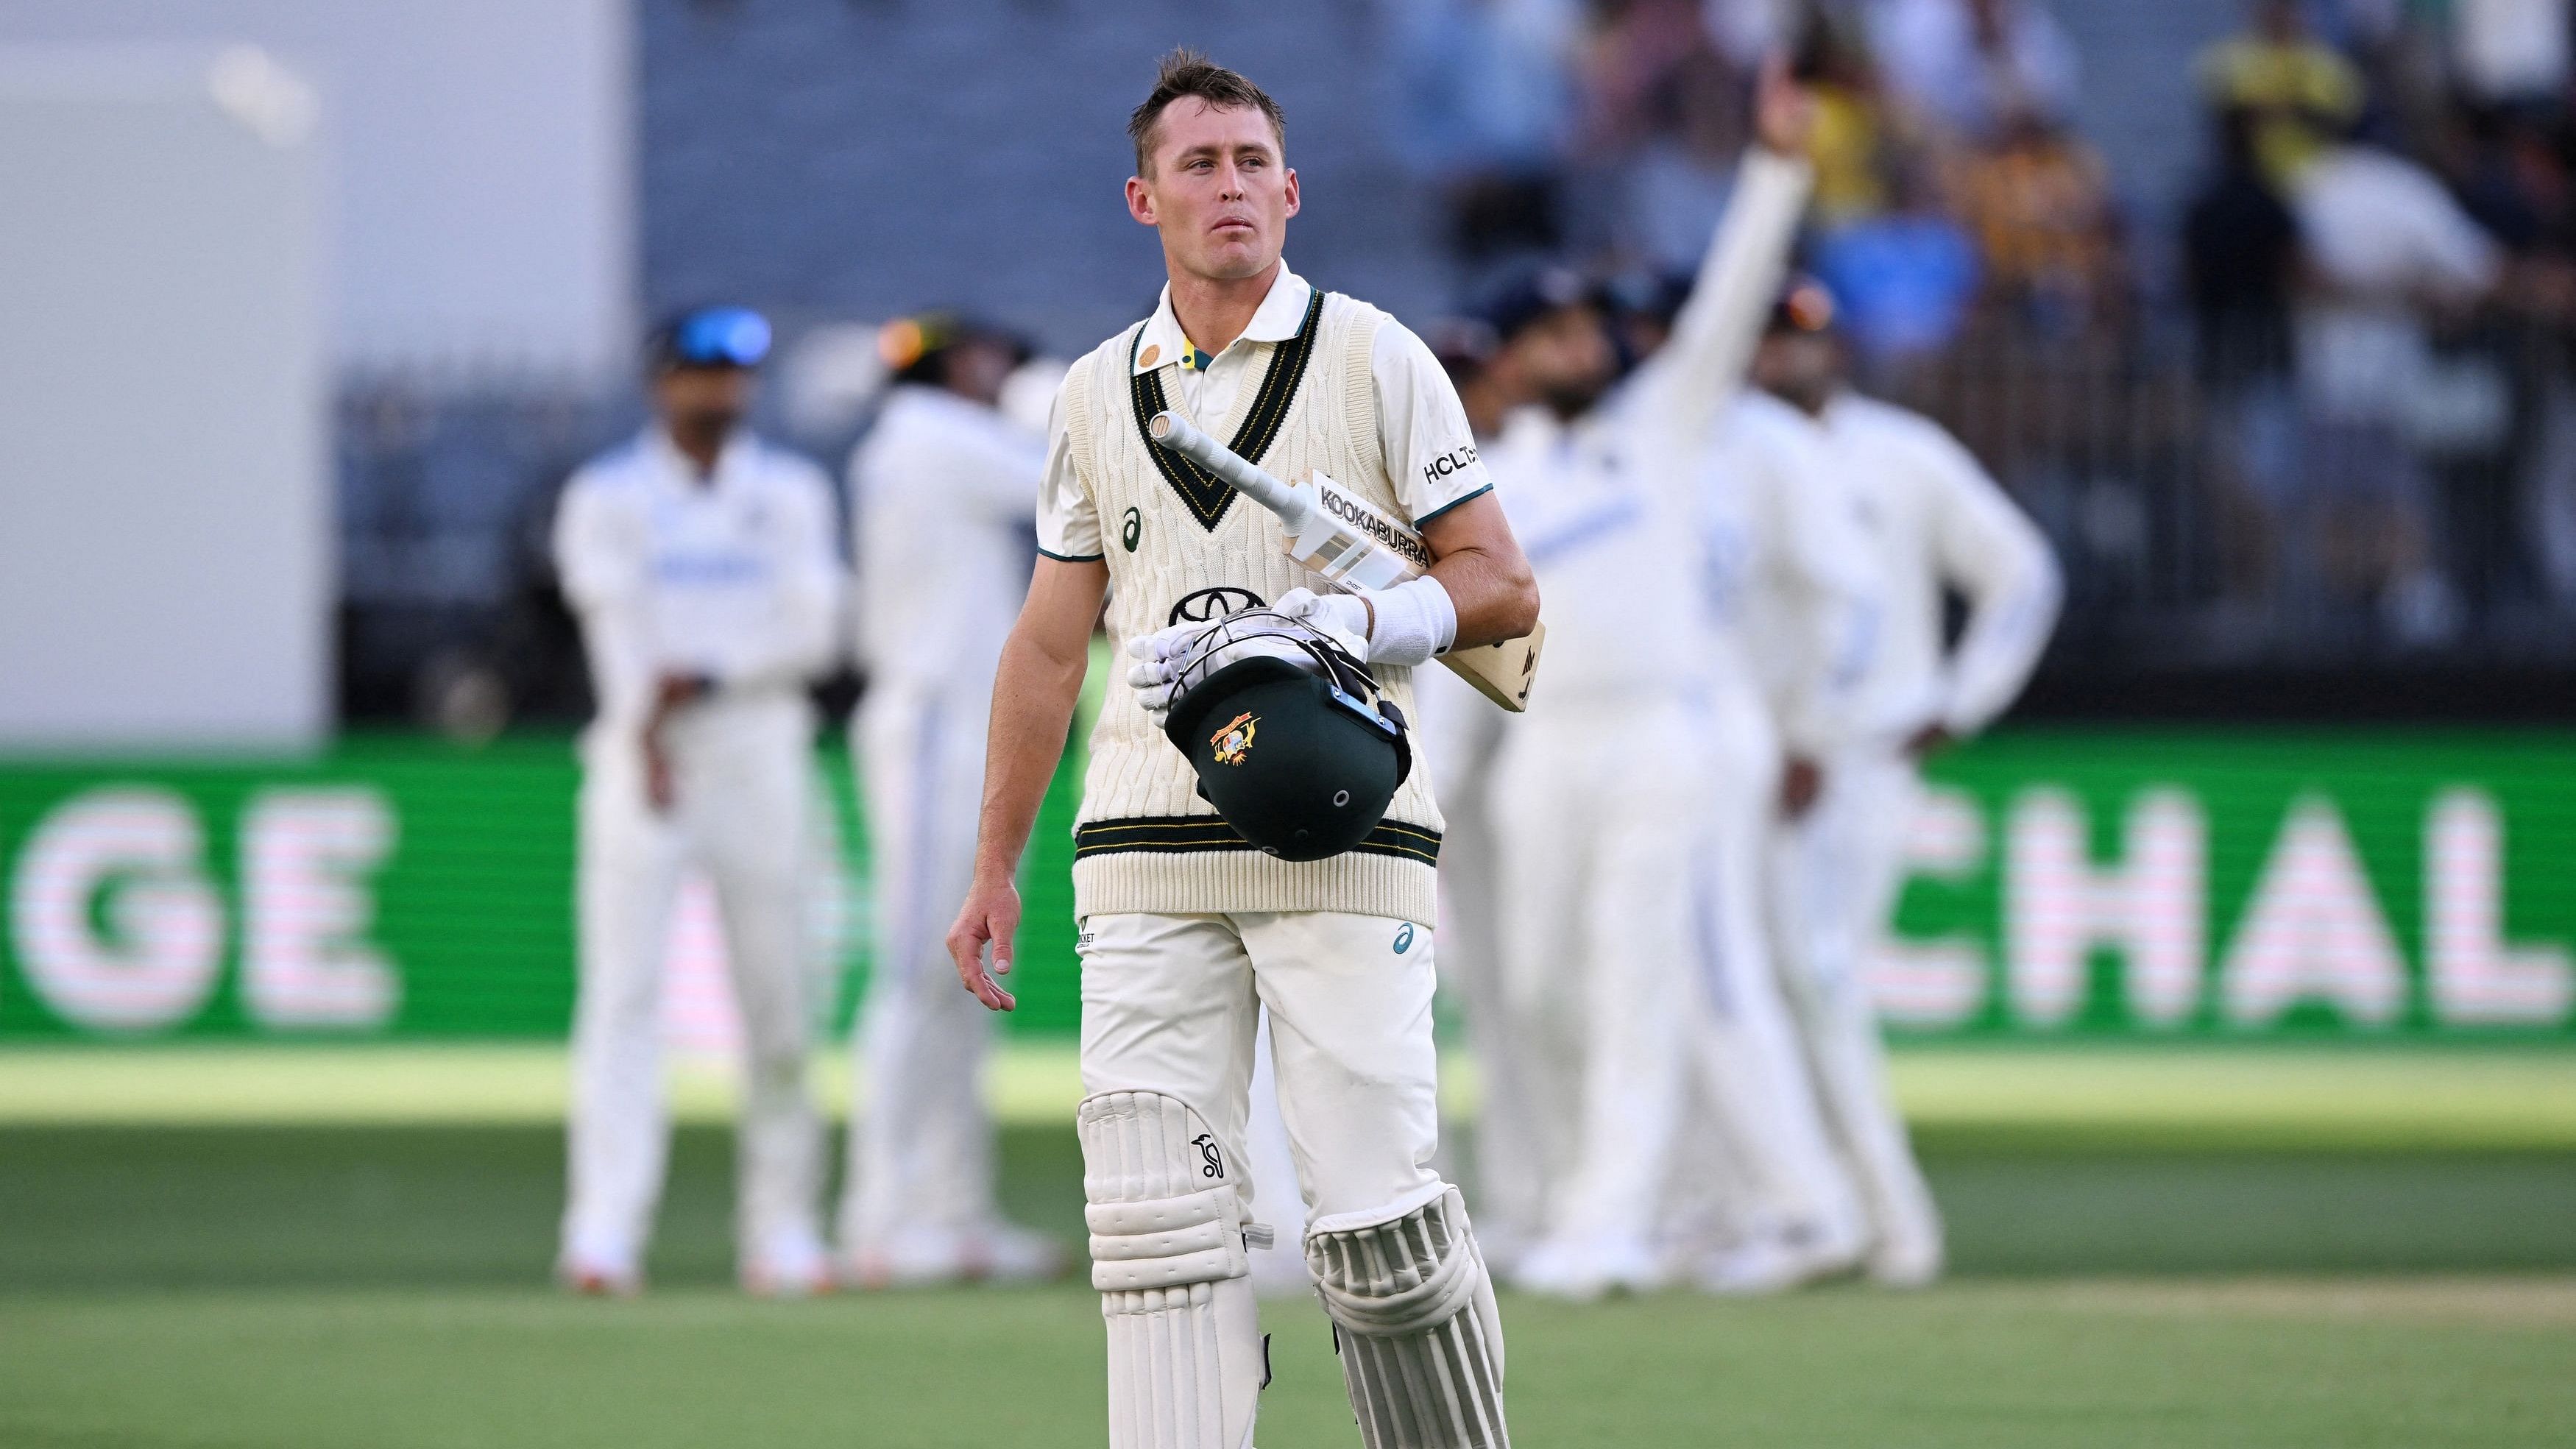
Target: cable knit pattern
x,y
1331,425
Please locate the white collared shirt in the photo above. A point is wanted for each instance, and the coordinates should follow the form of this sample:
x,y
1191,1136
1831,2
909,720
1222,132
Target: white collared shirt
x,y
940,497
1794,600
1422,428
735,577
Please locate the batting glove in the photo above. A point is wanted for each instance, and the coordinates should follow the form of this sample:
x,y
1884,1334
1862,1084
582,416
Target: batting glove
x,y
1157,663
1341,616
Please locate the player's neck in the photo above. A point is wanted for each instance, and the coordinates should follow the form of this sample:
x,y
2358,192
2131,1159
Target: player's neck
x,y
1213,311
701,446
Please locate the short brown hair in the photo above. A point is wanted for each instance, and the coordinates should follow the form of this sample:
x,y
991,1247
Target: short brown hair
x,y
1185,72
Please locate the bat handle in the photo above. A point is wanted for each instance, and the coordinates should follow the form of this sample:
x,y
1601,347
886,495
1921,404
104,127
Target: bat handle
x,y
1174,433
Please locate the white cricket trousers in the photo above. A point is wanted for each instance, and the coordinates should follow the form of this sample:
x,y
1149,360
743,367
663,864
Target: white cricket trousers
x,y
921,1139
1836,878
741,782
1760,1156
1600,811
1169,1004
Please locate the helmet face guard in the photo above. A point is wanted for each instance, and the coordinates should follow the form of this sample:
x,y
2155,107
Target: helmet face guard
x,y
1289,734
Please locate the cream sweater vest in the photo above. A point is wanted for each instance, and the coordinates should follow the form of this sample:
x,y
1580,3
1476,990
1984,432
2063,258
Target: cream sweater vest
x,y
1146,842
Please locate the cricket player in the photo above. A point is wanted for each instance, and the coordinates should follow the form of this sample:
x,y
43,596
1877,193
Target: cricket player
x,y
1600,793
1932,522
701,564
943,507
1184,927
1762,1202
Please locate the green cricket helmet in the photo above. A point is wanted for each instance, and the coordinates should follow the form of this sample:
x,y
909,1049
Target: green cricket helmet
x,y
1288,732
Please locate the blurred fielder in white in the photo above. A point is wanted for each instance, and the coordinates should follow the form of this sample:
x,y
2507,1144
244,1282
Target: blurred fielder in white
x,y
1463,735
1762,1203
943,498
701,564
1934,523
1599,795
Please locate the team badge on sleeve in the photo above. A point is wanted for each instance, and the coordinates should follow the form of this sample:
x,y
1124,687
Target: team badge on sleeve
x,y
1235,740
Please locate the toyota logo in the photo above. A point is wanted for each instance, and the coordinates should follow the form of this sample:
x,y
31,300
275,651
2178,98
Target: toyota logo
x,y
1206,606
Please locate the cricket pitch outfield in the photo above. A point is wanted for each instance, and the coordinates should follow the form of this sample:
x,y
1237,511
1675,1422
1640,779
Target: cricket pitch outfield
x,y
2266,1247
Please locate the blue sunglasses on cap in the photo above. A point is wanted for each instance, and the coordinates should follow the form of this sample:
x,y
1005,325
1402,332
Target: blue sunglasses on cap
x,y
718,337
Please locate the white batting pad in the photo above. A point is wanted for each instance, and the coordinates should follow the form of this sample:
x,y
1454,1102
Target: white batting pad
x,y
1186,1365
1420,1340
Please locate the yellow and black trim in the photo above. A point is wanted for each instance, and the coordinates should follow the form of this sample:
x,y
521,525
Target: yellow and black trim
x,y
1208,495
1189,834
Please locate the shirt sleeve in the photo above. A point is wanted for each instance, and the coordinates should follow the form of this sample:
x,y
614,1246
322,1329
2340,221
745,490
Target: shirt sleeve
x,y
600,562
1068,515
2002,563
1685,386
1422,429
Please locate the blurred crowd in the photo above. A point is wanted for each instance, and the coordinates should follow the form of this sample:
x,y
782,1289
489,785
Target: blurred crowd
x,y
2321,411
1951,183
2310,407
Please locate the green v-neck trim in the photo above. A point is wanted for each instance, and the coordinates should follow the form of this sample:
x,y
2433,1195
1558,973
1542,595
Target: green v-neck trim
x,y
1207,495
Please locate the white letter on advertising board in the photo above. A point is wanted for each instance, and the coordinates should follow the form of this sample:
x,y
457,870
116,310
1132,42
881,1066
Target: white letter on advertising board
x,y
2477,979
156,960
305,858
2313,931
2059,907
1941,982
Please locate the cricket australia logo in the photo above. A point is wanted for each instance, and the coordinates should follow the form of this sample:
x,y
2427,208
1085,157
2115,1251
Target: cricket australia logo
x,y
1234,741
1211,1164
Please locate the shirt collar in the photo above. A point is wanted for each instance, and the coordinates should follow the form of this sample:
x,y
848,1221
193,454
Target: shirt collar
x,y
1277,319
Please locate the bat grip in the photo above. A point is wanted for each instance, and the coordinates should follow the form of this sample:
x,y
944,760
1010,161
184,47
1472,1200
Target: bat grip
x,y
1176,434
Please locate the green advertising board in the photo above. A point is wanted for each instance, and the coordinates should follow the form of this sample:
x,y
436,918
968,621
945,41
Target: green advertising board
x,y
2060,882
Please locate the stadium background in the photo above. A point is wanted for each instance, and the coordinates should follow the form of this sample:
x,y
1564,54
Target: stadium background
x,y
2241,949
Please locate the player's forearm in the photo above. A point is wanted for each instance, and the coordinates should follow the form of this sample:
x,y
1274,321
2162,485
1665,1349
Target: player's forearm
x,y
1034,692
1496,597
2005,636
620,648
1480,564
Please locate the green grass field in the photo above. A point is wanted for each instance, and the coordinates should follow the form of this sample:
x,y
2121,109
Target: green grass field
x,y
202,1250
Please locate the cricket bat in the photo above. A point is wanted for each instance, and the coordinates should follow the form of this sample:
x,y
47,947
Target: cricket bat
x,y
1356,548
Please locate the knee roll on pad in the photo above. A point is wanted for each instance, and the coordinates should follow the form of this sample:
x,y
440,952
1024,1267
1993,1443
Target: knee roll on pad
x,y
1421,1343
1168,1244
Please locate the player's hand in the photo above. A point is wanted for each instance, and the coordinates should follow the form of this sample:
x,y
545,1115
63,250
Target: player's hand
x,y
1801,781
658,792
670,692
1155,668
1929,740
673,690
1784,112
991,917
1345,617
